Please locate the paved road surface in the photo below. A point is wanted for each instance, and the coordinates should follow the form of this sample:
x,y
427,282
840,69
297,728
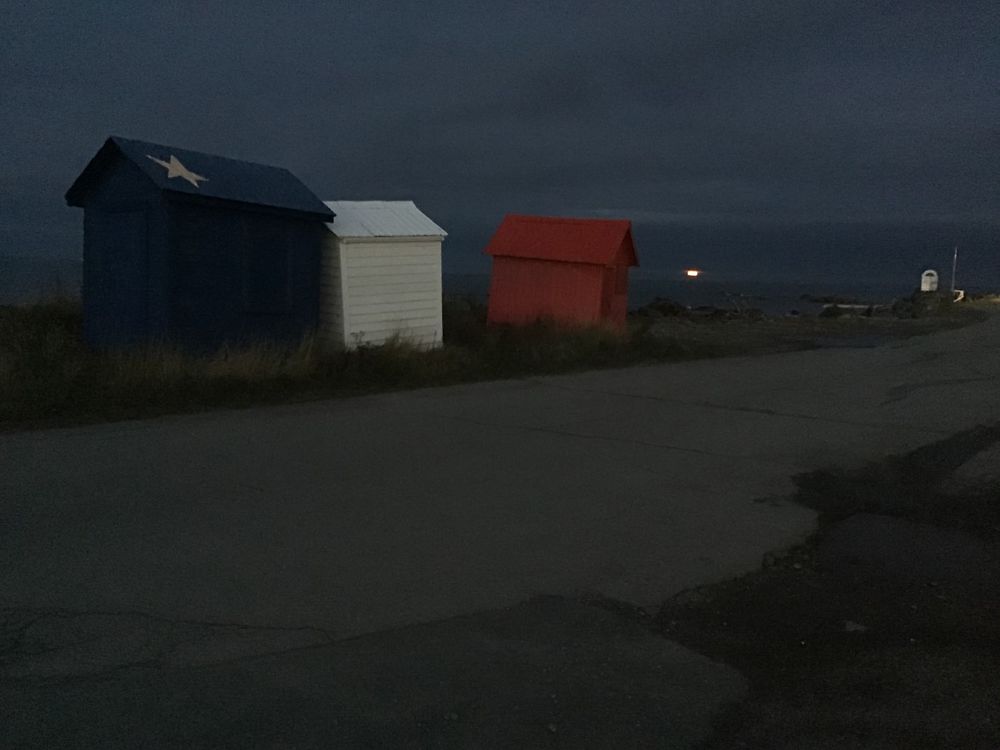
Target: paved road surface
x,y
174,546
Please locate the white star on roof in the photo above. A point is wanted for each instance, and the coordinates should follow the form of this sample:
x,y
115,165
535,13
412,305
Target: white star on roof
x,y
176,169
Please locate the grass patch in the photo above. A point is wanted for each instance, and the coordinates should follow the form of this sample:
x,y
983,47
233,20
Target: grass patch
x,y
49,377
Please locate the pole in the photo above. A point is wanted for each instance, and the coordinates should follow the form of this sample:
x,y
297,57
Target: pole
x,y
954,267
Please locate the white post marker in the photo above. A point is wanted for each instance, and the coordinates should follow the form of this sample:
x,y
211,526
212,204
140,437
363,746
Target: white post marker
x,y
954,267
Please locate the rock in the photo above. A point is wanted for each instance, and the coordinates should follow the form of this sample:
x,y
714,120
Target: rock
x,y
922,304
690,597
903,308
854,627
978,472
662,307
869,546
706,310
829,299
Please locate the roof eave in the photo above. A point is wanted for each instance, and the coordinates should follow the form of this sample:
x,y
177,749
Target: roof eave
x,y
385,237
633,255
77,192
183,195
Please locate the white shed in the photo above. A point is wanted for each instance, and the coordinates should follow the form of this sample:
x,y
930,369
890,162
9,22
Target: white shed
x,y
929,280
381,275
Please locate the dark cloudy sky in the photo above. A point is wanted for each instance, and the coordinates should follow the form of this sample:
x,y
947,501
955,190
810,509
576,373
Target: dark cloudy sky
x,y
786,138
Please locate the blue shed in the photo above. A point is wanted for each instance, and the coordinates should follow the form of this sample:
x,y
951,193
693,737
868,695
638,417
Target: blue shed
x,y
195,249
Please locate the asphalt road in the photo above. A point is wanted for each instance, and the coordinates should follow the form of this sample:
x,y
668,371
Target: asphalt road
x,y
153,551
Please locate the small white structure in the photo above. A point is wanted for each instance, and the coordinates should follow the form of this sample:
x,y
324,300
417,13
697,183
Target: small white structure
x,y
381,275
929,281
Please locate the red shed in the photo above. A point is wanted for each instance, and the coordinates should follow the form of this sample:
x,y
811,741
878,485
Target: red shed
x,y
568,270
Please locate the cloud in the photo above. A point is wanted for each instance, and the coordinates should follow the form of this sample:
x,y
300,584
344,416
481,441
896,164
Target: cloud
x,y
751,110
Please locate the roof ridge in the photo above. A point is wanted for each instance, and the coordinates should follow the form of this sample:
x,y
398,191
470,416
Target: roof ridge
x,y
341,200
168,147
567,219
201,174
381,218
565,239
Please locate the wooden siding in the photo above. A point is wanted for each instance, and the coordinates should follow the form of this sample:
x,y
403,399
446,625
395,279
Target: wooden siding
x,y
331,309
376,289
523,290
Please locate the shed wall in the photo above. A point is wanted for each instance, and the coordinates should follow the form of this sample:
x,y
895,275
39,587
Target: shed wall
x,y
125,271
388,287
524,290
241,276
614,295
331,294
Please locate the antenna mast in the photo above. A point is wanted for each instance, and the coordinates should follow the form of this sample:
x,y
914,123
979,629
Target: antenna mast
x,y
954,267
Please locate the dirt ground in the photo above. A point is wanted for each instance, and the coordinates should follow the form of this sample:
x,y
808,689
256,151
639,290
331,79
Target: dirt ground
x,y
751,335
883,631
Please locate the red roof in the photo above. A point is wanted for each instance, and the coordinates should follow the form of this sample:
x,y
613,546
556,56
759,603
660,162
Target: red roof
x,y
595,241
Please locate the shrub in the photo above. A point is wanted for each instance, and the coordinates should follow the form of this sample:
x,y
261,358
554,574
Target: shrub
x,y
47,373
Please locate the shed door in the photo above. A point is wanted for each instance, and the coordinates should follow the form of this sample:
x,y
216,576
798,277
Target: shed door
x,y
608,293
120,289
614,294
266,270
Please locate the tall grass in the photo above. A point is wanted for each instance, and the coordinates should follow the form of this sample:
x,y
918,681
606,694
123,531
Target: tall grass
x,y
48,375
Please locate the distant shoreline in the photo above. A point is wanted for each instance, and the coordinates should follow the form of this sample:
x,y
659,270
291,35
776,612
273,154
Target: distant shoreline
x,y
26,280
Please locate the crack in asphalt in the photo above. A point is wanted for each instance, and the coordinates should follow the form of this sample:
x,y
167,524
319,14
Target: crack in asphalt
x,y
63,613
899,392
611,439
748,409
162,637
815,418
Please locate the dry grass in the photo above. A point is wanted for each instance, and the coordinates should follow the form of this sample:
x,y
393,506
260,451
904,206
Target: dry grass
x,y
47,375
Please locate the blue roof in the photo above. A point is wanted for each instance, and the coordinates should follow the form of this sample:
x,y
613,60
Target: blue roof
x,y
192,173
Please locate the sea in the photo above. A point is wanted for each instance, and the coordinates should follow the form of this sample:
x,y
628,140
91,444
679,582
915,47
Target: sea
x,y
770,297
26,280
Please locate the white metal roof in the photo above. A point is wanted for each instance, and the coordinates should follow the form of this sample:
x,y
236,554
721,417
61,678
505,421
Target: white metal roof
x,y
381,219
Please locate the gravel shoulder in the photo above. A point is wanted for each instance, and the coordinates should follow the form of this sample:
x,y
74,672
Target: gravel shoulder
x,y
883,630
